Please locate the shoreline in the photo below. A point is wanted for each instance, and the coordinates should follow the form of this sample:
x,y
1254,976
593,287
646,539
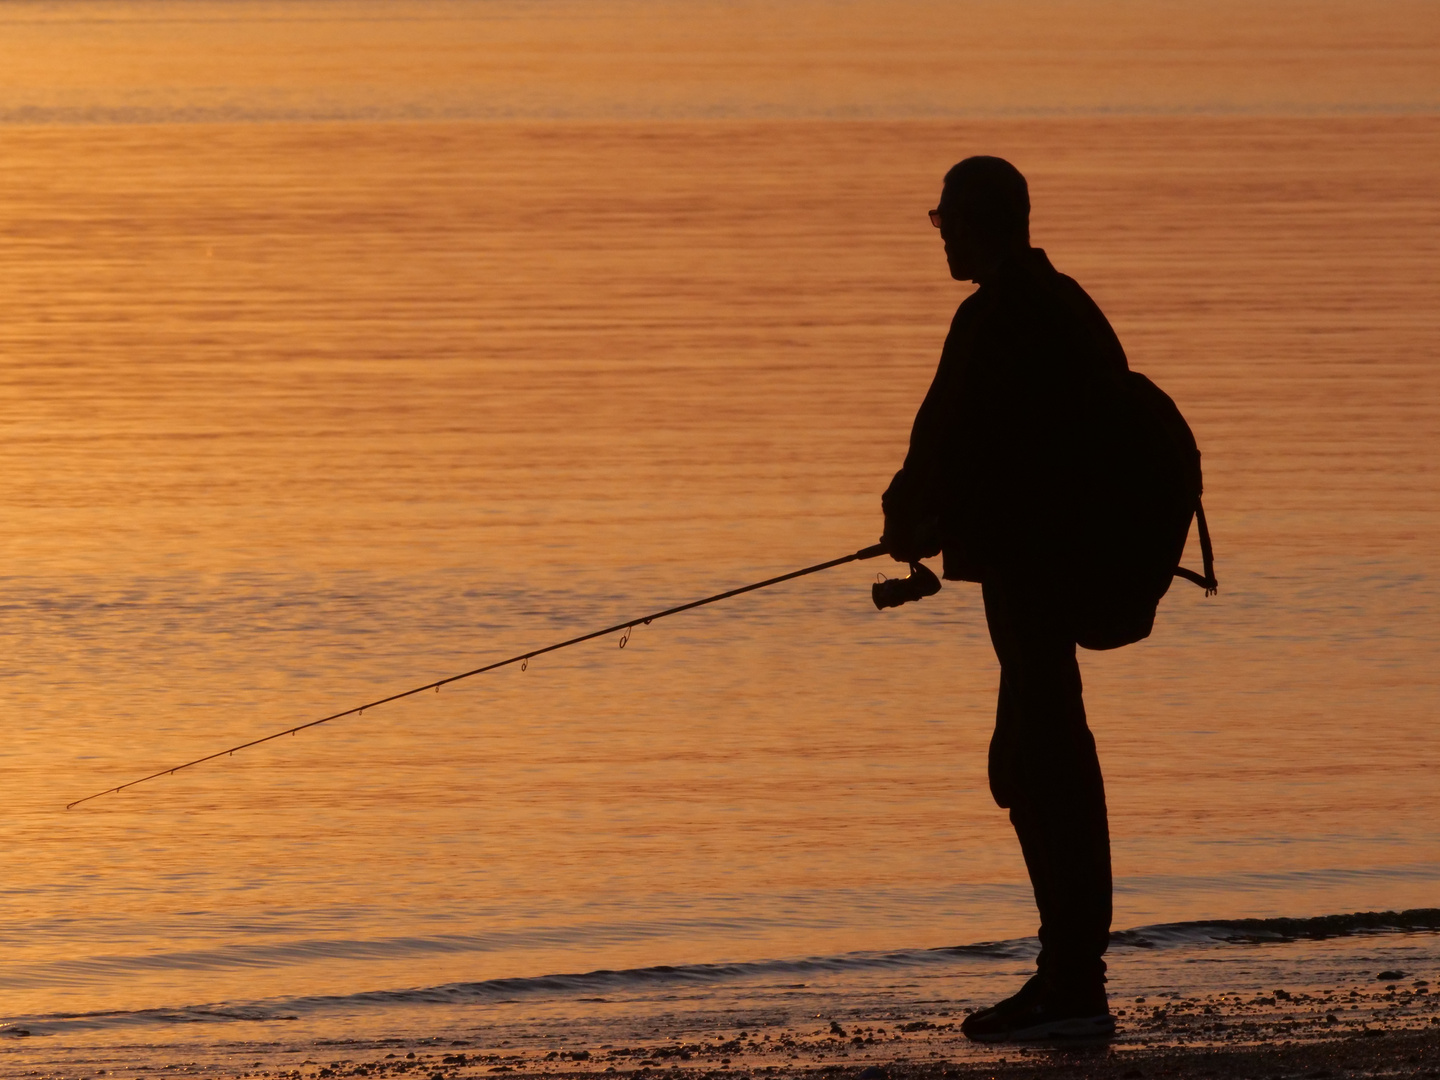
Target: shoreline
x,y
1344,1029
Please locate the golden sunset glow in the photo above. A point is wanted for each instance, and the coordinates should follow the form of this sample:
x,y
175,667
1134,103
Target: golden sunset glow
x,y
348,346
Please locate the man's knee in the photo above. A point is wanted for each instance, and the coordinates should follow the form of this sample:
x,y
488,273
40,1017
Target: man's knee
x,y
1002,770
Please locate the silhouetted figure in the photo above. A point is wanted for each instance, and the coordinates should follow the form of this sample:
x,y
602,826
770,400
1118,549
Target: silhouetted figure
x,y
994,479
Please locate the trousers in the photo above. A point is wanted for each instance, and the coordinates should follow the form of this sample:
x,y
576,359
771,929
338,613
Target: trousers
x,y
1044,769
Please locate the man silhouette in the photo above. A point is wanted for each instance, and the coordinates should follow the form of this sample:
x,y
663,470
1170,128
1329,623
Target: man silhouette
x,y
995,478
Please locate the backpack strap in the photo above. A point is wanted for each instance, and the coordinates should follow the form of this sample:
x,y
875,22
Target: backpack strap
x,y
1207,554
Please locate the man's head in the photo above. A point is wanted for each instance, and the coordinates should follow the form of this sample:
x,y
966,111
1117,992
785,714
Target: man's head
x,y
984,215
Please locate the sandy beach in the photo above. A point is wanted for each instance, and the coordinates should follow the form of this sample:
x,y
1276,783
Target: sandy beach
x,y
1337,1015
1310,1035
1397,1034
1374,1053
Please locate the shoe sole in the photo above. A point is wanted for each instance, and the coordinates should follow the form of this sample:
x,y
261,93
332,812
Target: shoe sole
x,y
1076,1027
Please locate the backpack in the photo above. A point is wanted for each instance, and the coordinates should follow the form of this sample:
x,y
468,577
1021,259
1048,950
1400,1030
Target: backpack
x,y
1136,514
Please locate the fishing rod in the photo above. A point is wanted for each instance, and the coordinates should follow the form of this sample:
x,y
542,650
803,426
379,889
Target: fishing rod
x,y
523,659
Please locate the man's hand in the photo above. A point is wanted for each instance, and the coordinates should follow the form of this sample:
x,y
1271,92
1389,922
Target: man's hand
x,y
912,531
908,548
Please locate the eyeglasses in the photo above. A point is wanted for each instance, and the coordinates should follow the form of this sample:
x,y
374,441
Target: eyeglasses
x,y
935,217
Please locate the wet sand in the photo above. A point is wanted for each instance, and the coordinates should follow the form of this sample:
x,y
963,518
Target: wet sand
x,y
1374,1053
1378,1050
1399,1035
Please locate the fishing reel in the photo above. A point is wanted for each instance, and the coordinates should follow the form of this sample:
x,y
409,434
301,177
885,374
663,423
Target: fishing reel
x,y
892,592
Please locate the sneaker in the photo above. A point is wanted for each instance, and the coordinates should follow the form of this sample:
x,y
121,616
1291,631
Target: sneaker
x,y
1038,1012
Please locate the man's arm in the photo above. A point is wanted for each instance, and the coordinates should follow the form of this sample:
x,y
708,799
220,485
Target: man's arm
x,y
915,502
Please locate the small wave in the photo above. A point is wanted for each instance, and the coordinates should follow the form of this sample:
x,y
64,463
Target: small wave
x,y
595,984
299,951
589,984
58,1023
1261,931
602,981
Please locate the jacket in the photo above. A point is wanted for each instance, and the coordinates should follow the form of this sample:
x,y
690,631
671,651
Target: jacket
x,y
1012,430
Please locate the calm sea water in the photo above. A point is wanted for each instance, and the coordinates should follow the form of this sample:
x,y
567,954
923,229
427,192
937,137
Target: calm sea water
x,y
297,414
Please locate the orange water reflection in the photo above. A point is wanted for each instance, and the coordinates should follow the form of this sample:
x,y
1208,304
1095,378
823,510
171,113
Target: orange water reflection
x,y
296,414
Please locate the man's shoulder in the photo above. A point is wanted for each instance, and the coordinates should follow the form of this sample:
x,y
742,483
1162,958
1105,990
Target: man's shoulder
x,y
1075,292
1063,284
971,305
1030,277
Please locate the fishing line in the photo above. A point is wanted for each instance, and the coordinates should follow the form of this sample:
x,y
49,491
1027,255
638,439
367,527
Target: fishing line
x,y
523,659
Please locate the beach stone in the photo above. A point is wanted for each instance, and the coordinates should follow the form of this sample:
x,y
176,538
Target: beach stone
x,y
1389,976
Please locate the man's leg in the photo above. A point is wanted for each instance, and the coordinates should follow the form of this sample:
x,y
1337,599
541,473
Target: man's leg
x,y
1064,836
1044,768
